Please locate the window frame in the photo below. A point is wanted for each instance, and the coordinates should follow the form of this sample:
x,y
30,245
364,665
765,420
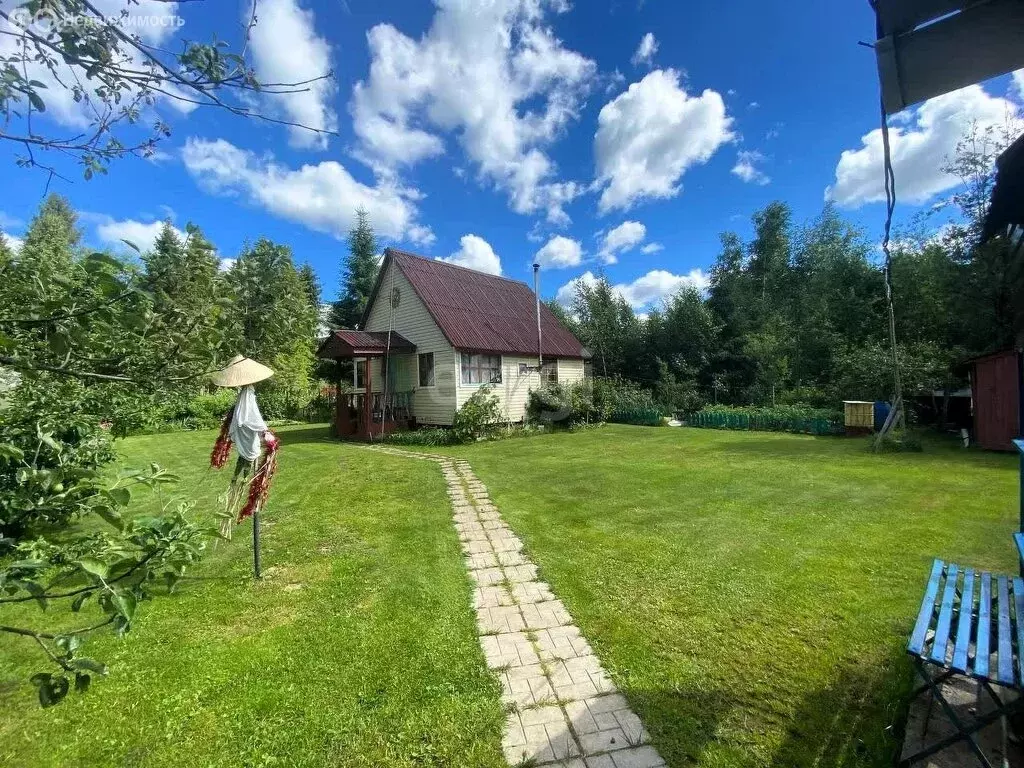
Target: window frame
x,y
546,368
475,363
419,370
359,373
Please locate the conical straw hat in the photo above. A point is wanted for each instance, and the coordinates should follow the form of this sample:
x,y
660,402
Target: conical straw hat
x,y
240,372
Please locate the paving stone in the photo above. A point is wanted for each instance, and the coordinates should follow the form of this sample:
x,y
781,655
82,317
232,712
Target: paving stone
x,y
545,614
492,597
545,743
485,577
510,649
532,592
521,573
498,620
561,643
526,691
486,560
637,757
476,547
511,558
506,544
604,741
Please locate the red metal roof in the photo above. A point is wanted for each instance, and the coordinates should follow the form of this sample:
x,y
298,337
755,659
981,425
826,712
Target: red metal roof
x,y
363,344
481,312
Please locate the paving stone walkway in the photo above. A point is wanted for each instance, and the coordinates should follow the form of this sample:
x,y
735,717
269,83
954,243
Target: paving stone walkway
x,y
563,708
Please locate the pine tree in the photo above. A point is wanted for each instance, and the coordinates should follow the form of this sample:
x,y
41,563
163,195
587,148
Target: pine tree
x,y
359,274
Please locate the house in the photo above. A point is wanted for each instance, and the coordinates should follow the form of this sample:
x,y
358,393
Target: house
x,y
433,334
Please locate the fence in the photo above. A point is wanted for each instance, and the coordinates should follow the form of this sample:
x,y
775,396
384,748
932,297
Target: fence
x,y
765,423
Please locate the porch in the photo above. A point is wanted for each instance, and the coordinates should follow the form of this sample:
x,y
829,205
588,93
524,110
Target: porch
x,y
379,400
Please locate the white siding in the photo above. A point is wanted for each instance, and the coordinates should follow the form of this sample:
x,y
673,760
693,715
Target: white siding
x,y
431,405
515,387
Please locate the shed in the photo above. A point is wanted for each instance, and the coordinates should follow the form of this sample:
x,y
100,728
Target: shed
x,y
997,391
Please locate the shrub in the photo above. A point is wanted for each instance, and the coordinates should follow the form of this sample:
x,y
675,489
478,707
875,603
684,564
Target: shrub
x,y
430,437
478,417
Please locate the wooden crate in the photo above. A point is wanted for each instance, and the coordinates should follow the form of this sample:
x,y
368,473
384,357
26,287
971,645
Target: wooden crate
x,y
859,414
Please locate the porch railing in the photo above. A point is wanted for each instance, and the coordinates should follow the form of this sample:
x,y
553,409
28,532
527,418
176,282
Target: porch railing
x,y
395,406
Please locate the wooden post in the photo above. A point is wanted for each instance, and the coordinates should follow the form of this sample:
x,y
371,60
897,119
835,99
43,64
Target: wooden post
x,y
368,400
256,543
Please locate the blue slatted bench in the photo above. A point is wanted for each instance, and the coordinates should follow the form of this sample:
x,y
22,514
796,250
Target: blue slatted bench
x,y
968,625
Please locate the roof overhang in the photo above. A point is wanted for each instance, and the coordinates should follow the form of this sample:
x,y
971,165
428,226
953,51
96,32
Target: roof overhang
x,y
926,48
345,344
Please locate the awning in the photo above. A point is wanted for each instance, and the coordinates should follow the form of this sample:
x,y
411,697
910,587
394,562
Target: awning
x,y
364,344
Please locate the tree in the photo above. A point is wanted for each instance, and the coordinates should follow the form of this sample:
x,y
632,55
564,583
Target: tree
x,y
359,274
79,330
71,45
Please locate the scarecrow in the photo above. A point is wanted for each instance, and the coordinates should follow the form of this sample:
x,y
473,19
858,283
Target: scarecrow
x,y
243,426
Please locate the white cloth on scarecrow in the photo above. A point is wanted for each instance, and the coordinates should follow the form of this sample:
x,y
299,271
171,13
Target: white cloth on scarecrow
x,y
247,425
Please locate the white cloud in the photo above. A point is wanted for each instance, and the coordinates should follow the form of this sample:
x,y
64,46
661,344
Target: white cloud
x,y
645,51
491,74
154,22
920,144
286,49
746,167
622,238
559,252
323,197
142,234
14,243
753,105
1017,81
475,253
650,135
646,290
225,265
652,248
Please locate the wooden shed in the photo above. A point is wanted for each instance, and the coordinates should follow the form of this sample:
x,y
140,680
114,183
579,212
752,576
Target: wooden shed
x,y
997,392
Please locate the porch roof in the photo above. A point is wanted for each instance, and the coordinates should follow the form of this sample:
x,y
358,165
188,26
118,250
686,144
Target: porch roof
x,y
364,344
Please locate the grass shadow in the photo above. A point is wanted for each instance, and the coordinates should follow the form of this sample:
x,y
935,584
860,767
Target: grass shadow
x,y
858,719
317,433
682,722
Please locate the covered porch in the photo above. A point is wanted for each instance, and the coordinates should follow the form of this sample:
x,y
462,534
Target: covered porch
x,y
378,400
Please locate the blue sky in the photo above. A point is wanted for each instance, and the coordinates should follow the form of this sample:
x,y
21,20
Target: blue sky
x,y
622,136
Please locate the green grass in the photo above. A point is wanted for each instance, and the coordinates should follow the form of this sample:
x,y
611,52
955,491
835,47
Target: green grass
x,y
359,649
751,593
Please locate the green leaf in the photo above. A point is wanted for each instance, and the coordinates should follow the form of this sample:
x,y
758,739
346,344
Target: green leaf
x,y
53,691
125,603
120,496
82,681
37,102
111,516
89,665
78,602
95,567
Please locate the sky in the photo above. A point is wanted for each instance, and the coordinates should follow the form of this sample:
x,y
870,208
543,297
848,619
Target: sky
x,y
619,137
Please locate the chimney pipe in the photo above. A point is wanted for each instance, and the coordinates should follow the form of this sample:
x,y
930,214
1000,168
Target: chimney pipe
x,y
536,290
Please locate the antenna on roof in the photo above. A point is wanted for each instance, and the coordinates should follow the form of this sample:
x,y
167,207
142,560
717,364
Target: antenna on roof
x,y
536,290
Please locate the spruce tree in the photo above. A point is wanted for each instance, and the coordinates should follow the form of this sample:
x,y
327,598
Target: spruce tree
x,y
359,273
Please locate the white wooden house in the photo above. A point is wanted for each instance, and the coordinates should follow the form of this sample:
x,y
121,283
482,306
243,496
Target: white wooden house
x,y
433,333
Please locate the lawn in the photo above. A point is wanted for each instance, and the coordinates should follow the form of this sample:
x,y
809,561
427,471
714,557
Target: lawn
x,y
751,593
359,648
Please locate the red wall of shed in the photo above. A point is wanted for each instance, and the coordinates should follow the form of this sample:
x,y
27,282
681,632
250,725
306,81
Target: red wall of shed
x,y
996,391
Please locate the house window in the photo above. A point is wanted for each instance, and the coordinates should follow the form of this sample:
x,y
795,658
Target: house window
x,y
427,369
360,374
481,369
549,373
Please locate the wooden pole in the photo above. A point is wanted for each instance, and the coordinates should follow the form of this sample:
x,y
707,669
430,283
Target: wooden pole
x,y
367,398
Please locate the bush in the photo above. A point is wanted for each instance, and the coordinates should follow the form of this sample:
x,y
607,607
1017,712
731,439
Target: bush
x,y
781,418
429,437
478,417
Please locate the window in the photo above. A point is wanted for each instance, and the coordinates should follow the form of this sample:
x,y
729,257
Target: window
x,y
549,373
427,369
360,374
481,369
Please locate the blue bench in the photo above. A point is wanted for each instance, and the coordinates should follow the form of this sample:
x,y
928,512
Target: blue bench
x,y
971,623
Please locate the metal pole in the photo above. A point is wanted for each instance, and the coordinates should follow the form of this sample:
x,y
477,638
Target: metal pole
x,y
256,543
536,291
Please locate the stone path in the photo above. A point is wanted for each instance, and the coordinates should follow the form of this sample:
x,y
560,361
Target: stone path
x,y
563,708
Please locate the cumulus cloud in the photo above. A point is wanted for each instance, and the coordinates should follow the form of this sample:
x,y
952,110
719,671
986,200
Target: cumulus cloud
x,y
559,252
323,197
650,135
920,144
645,51
645,291
491,74
652,248
14,243
746,167
475,253
153,21
286,49
142,234
622,238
